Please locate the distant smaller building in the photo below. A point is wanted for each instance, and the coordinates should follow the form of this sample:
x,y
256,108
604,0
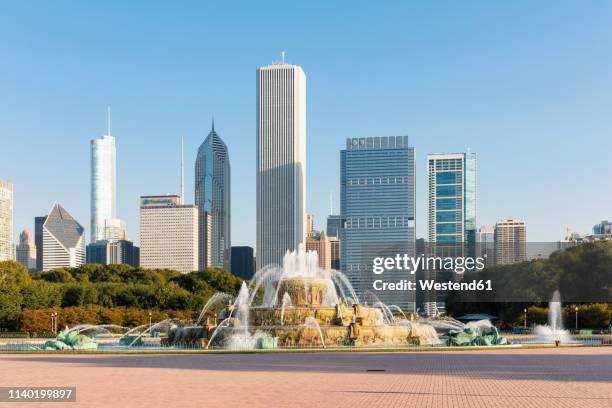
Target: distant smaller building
x,y
321,244
603,228
243,263
116,252
334,225
510,242
26,251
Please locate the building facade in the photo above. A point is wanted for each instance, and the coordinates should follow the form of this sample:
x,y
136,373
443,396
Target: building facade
x,y
452,198
377,183
334,225
26,250
334,244
38,240
6,220
63,240
103,186
452,216
281,161
510,242
113,252
485,244
243,263
321,244
603,228
169,234
212,197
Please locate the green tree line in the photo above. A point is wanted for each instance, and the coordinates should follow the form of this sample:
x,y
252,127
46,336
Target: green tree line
x,y
113,286
582,274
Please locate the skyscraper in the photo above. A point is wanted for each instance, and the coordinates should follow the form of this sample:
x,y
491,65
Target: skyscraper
x,y
243,264
26,250
6,220
281,161
452,215
334,225
485,243
104,224
377,185
510,242
320,244
168,233
63,240
38,240
212,197
115,252
452,198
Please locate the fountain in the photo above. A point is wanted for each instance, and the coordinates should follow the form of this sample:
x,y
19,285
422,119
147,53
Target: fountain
x,y
302,306
553,332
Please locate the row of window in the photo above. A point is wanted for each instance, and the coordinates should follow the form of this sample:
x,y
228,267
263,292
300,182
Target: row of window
x,y
379,222
378,180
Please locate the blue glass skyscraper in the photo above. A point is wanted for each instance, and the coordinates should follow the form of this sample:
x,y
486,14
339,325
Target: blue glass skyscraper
x,y
212,197
452,215
377,176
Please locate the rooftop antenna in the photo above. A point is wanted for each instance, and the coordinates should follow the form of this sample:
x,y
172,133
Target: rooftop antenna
x,y
108,119
283,57
182,173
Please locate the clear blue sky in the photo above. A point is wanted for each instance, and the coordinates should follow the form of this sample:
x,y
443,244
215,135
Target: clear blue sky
x,y
525,85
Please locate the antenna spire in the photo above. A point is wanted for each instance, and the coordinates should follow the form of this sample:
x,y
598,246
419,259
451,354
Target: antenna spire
x,y
182,173
108,119
283,57
213,123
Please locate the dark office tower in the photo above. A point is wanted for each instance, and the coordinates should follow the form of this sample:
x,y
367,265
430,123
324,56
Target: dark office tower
x,y
212,197
334,224
38,240
242,261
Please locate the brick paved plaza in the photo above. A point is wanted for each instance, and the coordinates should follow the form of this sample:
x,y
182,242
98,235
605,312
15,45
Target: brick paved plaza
x,y
539,378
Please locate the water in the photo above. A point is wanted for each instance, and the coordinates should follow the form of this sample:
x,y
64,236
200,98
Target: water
x,y
286,303
312,323
215,299
553,331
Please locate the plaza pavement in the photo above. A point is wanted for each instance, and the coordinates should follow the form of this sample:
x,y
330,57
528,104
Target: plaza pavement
x,y
526,378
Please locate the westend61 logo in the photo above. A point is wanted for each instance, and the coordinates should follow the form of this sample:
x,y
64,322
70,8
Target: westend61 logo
x,y
404,262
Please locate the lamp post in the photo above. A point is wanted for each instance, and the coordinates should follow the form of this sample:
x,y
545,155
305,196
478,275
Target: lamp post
x,y
525,312
54,322
150,323
576,309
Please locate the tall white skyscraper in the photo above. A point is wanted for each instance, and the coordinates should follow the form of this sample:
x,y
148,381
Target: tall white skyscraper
x,y
104,224
281,161
6,220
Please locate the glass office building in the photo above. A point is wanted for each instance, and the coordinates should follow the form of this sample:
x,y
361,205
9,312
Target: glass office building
x,y
377,176
452,214
212,197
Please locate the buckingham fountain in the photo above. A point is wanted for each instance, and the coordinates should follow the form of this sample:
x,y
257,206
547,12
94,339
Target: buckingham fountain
x,y
298,305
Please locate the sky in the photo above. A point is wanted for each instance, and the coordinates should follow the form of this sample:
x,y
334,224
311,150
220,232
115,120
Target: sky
x,y
527,86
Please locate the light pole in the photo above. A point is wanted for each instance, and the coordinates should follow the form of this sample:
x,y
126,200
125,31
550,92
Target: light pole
x,y
576,309
54,322
150,323
525,312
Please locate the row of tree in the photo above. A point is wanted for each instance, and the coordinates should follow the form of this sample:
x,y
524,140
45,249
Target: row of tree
x,y
114,286
582,274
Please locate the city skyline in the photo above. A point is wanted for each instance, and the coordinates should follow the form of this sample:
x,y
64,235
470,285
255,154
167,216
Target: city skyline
x,y
528,110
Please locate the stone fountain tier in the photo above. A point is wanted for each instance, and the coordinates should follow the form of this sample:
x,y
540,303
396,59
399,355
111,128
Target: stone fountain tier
x,y
339,315
304,291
